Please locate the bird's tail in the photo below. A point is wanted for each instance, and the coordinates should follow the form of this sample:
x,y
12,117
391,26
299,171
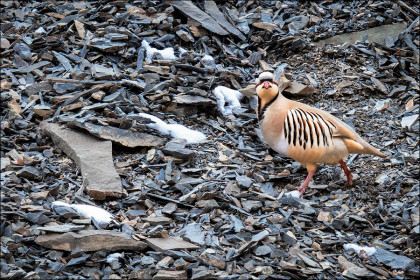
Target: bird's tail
x,y
362,147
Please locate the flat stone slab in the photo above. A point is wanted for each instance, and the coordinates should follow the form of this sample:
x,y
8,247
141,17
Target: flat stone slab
x,y
393,260
90,240
123,137
192,100
376,34
192,11
170,243
212,9
61,228
93,156
351,270
154,221
170,275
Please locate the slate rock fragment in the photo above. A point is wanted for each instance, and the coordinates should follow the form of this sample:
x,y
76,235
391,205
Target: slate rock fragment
x,y
393,260
94,158
90,240
190,10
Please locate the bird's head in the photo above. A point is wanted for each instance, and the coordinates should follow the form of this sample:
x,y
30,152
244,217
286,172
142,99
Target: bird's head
x,y
266,87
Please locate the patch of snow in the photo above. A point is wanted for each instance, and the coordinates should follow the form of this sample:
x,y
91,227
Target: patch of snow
x,y
293,194
182,52
226,95
101,216
167,53
207,58
177,131
369,250
113,257
208,62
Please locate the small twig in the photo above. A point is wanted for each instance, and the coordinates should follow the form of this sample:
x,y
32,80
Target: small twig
x,y
264,195
196,189
408,8
169,199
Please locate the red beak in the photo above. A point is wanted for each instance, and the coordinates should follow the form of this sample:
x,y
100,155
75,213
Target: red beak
x,y
266,84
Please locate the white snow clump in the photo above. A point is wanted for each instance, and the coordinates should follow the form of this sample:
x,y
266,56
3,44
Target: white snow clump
x,y
226,95
369,250
167,53
175,130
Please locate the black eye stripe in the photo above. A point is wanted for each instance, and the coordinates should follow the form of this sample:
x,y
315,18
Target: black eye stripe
x,y
268,80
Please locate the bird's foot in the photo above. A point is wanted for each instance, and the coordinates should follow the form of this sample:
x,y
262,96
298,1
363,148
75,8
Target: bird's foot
x,y
302,190
305,185
348,174
349,181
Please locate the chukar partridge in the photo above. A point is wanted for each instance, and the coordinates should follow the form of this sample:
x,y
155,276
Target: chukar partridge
x,y
303,133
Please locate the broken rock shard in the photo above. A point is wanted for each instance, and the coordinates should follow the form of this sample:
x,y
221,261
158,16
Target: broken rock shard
x,y
90,240
94,158
192,11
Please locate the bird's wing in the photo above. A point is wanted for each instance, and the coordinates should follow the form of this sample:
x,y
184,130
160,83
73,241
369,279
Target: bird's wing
x,y
338,127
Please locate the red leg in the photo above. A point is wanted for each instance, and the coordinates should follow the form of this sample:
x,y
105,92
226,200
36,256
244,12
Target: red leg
x,y
347,172
306,183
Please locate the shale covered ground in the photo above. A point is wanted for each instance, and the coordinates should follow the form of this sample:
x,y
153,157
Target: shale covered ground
x,y
82,84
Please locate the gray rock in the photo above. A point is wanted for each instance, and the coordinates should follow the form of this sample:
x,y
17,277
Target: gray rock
x,y
192,232
187,99
251,205
382,179
37,218
66,87
416,229
170,243
79,260
179,254
207,204
184,35
263,250
101,72
237,223
107,45
212,9
4,44
290,200
307,260
56,266
93,156
23,51
198,274
409,121
29,172
177,149
38,87
260,236
154,221
147,260
376,34
351,270
192,11
289,238
393,260
61,228
267,188
169,208
132,214
337,223
244,181
298,23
